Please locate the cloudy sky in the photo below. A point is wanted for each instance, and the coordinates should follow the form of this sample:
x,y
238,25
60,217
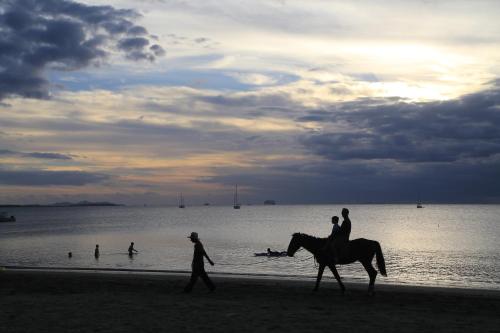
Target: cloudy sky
x,y
297,101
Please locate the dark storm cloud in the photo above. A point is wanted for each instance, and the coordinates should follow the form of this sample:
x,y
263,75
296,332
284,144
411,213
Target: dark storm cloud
x,y
468,127
62,34
137,31
131,44
157,50
262,101
388,150
362,182
48,156
205,135
7,152
51,156
49,178
134,48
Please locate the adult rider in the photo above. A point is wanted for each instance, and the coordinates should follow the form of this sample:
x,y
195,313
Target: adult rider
x,y
342,238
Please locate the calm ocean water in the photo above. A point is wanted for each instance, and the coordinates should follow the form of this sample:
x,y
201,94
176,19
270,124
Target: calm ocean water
x,y
439,245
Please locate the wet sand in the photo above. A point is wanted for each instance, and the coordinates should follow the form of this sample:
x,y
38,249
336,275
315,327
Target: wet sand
x,y
41,301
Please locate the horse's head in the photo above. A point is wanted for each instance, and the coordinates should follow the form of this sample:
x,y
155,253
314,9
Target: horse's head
x,y
294,245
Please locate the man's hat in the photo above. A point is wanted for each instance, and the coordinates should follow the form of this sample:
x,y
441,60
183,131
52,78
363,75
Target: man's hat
x,y
194,235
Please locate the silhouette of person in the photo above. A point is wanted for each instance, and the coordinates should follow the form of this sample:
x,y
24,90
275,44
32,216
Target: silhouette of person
x,y
345,228
330,246
131,249
271,253
198,265
342,238
96,251
70,255
335,226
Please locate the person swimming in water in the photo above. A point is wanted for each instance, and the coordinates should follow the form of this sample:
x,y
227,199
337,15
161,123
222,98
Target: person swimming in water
x,y
271,253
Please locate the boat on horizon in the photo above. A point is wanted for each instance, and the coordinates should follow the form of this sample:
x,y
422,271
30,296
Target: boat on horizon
x,y
5,218
236,204
181,201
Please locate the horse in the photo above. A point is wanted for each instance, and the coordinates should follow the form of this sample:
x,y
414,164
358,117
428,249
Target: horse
x,y
362,250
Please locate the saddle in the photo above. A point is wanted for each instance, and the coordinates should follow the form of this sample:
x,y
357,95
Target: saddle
x,y
338,251
342,249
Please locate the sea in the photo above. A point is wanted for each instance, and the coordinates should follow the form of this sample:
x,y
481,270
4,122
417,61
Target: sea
x,y
438,245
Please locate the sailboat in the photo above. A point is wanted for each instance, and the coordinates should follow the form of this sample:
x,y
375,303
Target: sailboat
x,y
419,202
181,201
236,205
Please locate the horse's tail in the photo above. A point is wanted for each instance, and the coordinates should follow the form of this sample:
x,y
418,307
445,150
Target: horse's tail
x,y
380,259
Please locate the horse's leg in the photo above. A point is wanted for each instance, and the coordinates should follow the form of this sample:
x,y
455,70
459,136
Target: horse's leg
x,y
337,277
320,274
372,273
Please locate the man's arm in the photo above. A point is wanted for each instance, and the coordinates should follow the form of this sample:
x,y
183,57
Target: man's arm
x,y
208,258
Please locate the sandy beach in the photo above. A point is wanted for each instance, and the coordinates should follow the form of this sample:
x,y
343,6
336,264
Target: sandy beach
x,y
56,301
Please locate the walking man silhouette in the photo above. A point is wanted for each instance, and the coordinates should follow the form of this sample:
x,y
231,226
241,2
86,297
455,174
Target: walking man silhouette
x,y
198,265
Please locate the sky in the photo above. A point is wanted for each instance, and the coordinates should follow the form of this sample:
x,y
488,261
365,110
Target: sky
x,y
302,102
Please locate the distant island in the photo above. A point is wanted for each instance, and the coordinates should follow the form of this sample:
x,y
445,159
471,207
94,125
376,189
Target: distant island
x,y
69,204
269,202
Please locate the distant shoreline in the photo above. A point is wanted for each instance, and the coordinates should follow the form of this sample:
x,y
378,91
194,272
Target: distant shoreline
x,y
65,204
110,204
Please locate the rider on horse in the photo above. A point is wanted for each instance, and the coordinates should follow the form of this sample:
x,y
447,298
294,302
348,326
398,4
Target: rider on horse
x,y
330,248
342,242
338,241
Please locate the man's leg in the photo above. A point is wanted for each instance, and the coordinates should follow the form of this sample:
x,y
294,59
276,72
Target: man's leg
x,y
207,281
192,281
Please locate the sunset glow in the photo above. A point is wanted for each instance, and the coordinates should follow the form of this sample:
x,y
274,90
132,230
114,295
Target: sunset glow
x,y
195,97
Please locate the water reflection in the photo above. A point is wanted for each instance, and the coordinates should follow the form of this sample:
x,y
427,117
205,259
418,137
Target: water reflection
x,y
438,245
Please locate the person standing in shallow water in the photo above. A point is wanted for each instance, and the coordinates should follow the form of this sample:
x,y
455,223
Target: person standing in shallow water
x,y
198,265
96,251
131,249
